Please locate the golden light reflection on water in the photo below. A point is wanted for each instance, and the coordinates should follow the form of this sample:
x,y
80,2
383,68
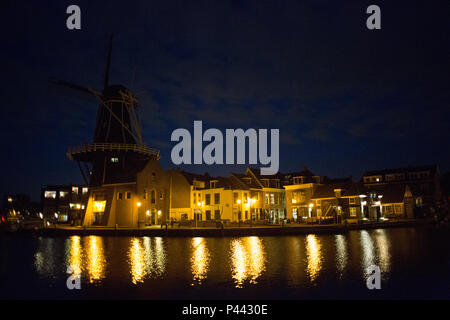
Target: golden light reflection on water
x,y
341,253
155,256
383,249
200,260
136,259
75,253
146,258
314,256
248,260
96,263
368,254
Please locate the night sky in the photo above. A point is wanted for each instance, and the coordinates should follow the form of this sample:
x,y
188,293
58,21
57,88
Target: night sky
x,y
346,99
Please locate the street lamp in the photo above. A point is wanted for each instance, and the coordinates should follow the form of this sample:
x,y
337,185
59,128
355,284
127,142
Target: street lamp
x,y
138,204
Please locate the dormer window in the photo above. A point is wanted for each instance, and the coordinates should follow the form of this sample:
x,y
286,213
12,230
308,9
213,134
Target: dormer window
x,y
338,193
213,184
298,180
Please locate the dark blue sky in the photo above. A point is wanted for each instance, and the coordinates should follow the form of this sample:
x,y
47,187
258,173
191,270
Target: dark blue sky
x,y
346,99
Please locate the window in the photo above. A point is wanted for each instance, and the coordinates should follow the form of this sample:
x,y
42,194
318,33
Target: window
x,y
235,197
298,180
208,214
246,215
276,198
352,200
216,198
75,190
145,194
161,196
207,199
114,160
272,198
398,208
85,190
63,194
213,184
301,196
217,214
267,198
119,196
128,195
319,211
245,197
153,176
153,197
50,194
388,209
352,212
194,198
294,213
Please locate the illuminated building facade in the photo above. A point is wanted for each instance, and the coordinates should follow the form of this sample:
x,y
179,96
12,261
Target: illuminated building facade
x,y
422,183
64,203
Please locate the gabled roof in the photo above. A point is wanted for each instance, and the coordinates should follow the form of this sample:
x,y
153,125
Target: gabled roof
x,y
190,177
348,188
392,193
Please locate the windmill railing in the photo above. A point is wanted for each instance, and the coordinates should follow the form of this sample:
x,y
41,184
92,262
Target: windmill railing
x,y
94,147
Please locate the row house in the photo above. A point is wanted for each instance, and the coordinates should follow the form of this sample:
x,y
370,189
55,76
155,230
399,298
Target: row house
x,y
299,187
423,183
64,203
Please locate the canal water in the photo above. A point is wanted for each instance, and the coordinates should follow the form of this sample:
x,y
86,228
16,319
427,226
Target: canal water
x,y
414,263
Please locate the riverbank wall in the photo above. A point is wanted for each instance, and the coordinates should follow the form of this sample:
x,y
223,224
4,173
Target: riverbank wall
x,y
225,232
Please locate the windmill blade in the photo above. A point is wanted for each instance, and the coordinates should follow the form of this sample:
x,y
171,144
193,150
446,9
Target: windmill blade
x,y
74,86
108,63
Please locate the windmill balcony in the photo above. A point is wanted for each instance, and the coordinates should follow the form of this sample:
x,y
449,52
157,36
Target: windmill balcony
x,y
76,152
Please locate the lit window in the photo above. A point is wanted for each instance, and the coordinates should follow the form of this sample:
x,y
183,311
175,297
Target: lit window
x,y
50,194
216,198
114,160
75,190
10,199
99,206
352,212
63,194
85,190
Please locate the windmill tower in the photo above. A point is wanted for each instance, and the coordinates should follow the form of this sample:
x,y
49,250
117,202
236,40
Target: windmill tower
x,y
117,152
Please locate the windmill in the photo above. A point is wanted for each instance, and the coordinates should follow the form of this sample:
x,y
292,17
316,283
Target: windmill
x,y
117,152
